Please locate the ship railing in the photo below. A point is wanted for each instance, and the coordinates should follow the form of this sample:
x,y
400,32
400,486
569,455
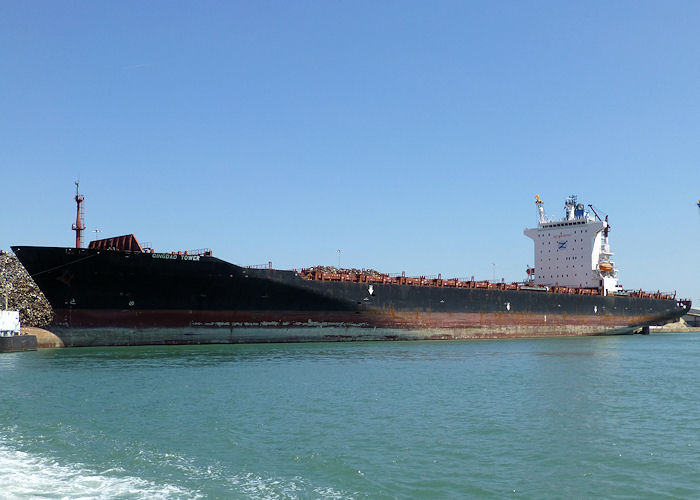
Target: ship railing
x,y
461,283
685,303
406,280
260,266
202,252
641,294
574,290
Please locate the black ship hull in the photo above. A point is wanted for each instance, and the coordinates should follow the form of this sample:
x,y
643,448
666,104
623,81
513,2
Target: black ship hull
x,y
119,297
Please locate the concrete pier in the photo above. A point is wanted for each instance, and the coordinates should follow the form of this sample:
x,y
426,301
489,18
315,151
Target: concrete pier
x,y
688,323
18,343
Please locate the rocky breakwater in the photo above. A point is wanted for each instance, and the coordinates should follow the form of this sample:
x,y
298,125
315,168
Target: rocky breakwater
x,y
22,294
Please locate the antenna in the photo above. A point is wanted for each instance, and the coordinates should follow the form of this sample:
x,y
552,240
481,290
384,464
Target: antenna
x,y
79,225
540,209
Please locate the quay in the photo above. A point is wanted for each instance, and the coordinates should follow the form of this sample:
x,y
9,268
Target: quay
x,y
688,323
11,339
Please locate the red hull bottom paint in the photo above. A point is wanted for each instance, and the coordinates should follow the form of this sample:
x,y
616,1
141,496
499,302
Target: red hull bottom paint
x,y
88,327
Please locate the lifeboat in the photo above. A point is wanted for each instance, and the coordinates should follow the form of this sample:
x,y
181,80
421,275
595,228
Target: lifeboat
x,y
605,266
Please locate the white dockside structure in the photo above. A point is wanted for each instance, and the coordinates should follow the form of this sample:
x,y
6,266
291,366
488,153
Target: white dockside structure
x,y
574,251
9,323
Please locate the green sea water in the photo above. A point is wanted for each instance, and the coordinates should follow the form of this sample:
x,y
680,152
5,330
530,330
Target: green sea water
x,y
595,417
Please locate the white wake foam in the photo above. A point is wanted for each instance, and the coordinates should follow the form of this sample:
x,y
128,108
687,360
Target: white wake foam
x,y
23,475
26,475
255,487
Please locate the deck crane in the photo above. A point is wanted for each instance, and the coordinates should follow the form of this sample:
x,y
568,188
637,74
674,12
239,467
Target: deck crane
x,y
595,213
607,225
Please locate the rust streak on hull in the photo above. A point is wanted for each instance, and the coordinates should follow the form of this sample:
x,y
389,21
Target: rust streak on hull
x,y
199,327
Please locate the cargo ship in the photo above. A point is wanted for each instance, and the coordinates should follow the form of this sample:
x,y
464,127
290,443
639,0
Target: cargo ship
x,y
116,292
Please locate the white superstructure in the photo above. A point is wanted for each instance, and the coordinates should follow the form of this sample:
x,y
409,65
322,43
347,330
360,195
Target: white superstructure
x,y
574,251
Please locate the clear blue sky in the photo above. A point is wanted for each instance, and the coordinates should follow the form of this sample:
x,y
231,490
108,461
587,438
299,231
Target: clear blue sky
x,y
411,135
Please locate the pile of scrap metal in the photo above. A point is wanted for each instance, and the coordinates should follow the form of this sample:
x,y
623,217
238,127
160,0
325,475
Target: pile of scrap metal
x,y
18,292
